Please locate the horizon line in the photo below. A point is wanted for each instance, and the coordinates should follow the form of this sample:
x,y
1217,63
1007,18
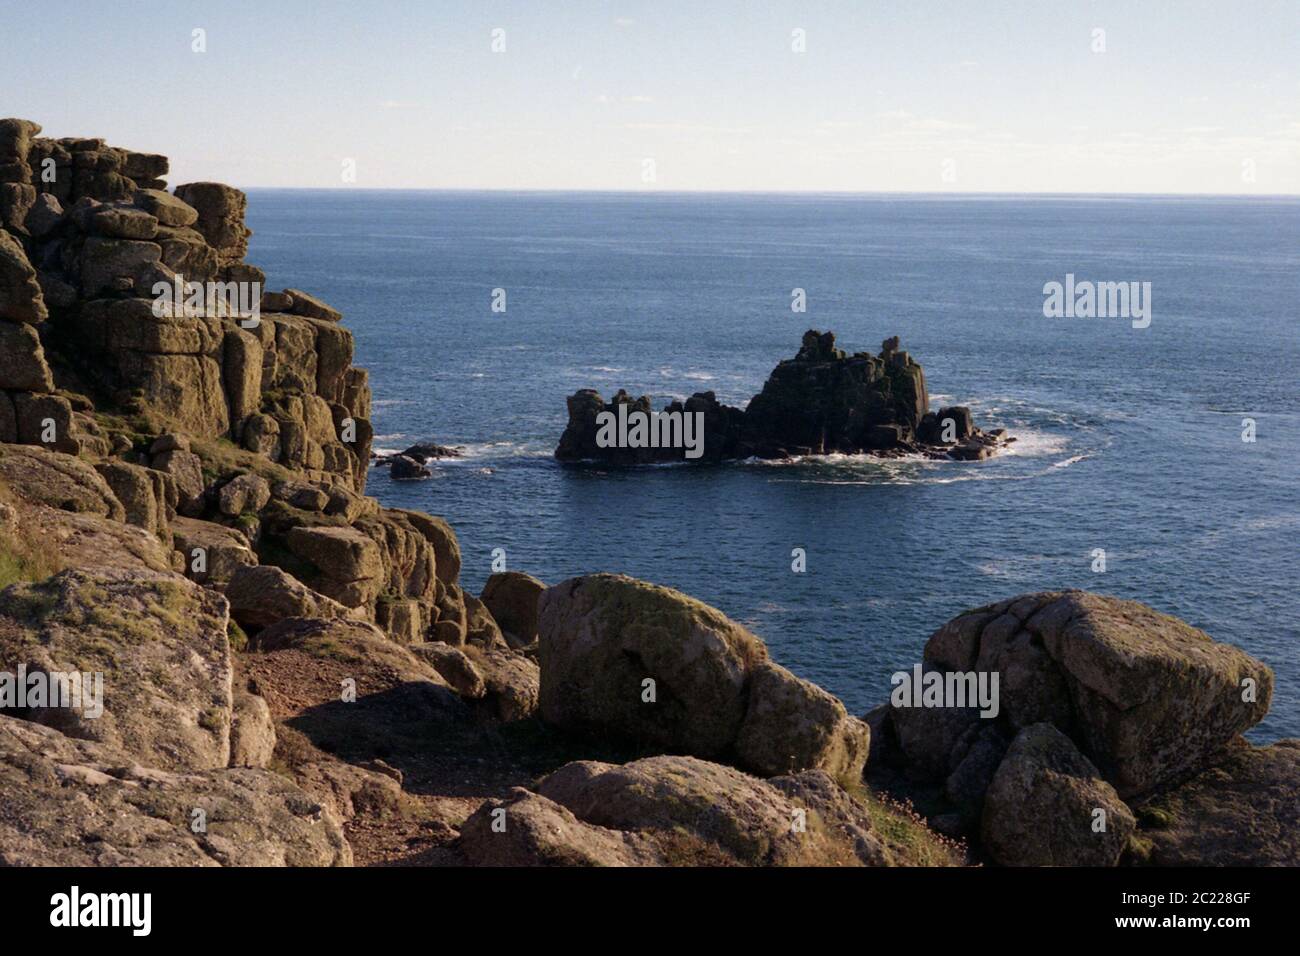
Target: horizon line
x,y
772,192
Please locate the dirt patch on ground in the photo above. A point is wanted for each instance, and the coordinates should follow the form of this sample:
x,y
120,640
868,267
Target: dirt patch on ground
x,y
450,755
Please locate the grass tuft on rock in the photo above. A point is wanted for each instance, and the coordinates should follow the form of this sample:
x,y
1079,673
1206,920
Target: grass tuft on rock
x,y
23,558
903,830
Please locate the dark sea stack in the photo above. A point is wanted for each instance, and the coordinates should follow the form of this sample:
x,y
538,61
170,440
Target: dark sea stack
x,y
821,402
722,429
827,401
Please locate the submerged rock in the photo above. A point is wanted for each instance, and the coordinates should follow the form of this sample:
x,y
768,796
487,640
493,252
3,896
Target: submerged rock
x,y
405,468
426,451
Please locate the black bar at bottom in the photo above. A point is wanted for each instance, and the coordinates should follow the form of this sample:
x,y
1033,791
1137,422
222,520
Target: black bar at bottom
x,y
195,906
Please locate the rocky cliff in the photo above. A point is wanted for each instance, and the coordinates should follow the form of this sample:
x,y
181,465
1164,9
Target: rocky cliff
x,y
259,665
820,402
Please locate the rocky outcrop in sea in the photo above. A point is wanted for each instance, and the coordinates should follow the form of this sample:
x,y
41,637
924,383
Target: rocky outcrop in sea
x,y
216,650
823,401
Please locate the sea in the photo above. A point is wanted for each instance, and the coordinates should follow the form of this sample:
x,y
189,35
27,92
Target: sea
x,y
1157,463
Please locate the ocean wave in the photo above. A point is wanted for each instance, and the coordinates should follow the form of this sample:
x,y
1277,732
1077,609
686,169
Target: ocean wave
x,y
477,452
667,371
1074,459
867,469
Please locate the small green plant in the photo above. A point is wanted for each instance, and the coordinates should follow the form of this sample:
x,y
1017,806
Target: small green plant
x,y
213,719
904,831
236,635
1155,818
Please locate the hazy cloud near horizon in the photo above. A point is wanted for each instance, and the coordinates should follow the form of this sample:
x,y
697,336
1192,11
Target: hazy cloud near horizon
x,y
1066,96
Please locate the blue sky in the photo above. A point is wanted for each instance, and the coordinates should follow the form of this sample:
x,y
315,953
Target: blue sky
x,y
1196,97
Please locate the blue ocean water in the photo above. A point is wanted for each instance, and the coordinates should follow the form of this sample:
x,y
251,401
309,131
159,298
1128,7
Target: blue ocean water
x,y
1130,440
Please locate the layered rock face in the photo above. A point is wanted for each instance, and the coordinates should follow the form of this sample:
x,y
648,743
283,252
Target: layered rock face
x,y
181,482
90,235
821,402
255,426
1103,707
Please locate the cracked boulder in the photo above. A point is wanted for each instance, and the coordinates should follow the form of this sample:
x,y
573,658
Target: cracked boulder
x,y
655,668
145,656
349,562
1245,811
1048,806
21,298
76,803
261,595
1145,696
674,811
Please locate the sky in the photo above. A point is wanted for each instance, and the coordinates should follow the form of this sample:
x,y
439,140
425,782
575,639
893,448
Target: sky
x,y
1173,96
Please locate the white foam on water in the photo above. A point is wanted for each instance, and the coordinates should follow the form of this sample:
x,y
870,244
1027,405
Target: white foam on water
x,y
1035,443
1273,522
479,451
